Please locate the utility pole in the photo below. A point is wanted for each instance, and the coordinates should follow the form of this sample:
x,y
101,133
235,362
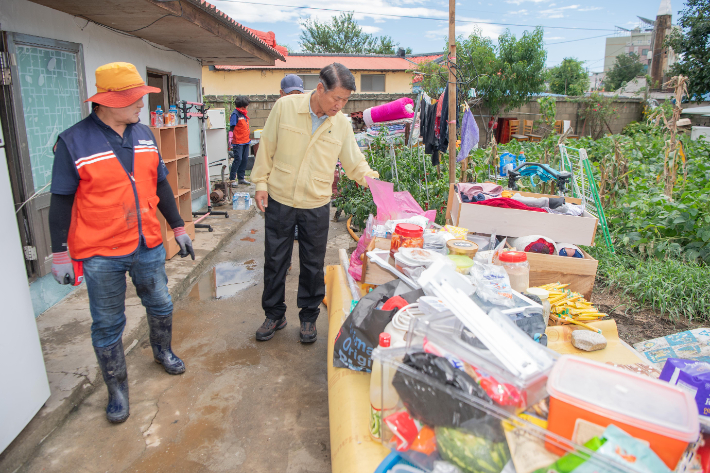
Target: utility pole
x,y
452,92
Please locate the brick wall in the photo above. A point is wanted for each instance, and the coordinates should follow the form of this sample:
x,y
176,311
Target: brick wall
x,y
630,109
260,105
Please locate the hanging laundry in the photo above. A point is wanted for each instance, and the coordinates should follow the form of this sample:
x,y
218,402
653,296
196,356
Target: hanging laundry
x,y
427,131
469,135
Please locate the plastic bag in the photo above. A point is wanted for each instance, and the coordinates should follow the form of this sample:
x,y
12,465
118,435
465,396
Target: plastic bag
x,y
492,284
355,268
430,404
393,205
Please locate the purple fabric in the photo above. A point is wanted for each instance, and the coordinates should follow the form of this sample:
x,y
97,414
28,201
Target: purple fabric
x,y
472,190
469,135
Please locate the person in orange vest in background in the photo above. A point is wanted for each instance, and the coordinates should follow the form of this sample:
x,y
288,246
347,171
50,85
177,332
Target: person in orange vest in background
x,y
239,126
108,180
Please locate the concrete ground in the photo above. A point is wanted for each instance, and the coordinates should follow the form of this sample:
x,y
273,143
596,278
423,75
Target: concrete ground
x,y
242,405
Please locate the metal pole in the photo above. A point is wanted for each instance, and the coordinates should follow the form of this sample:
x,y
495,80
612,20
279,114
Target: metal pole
x,y
452,92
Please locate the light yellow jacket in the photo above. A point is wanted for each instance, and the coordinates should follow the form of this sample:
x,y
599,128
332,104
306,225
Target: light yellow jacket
x,y
297,168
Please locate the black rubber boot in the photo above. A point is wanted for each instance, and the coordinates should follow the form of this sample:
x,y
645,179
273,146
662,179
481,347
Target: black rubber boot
x,y
161,333
113,366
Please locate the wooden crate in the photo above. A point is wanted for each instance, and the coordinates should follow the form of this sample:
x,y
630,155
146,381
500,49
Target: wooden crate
x,y
579,273
517,223
173,147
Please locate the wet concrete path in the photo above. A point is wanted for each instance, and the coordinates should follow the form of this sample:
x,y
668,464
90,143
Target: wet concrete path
x,y
242,405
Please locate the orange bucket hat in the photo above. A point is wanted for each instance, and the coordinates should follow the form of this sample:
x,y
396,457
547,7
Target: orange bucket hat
x,y
118,85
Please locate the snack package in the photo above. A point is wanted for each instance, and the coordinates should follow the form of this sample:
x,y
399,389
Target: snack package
x,y
457,232
492,284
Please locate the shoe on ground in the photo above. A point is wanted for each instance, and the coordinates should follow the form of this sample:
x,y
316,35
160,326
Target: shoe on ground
x,y
244,182
235,184
309,334
269,327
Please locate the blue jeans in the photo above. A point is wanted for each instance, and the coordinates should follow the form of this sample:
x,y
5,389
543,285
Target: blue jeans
x,y
106,282
239,165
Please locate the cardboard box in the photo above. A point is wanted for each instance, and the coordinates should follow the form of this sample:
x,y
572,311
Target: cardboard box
x,y
517,223
579,273
372,273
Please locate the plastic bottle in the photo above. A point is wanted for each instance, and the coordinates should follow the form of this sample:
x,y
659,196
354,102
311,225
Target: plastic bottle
x,y
159,116
174,114
153,119
381,399
521,158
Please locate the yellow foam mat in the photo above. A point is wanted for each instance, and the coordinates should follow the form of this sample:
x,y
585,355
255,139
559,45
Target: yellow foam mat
x,y
351,448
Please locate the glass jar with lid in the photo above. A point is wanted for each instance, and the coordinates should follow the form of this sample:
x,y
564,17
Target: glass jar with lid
x,y
518,269
406,235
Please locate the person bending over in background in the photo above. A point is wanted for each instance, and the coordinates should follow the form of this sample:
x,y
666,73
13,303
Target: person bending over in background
x,y
239,126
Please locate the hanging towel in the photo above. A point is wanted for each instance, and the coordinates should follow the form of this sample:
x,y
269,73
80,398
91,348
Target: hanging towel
x,y
469,135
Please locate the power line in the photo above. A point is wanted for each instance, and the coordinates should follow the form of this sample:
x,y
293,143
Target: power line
x,y
581,39
298,7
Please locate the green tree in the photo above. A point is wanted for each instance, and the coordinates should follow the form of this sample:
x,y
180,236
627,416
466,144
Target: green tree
x,y
692,47
569,78
433,77
504,75
342,34
626,67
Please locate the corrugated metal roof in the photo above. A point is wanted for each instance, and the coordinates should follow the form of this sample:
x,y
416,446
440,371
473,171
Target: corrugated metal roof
x,y
356,63
424,58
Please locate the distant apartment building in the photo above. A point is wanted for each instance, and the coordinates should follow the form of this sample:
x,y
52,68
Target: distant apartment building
x,y
646,41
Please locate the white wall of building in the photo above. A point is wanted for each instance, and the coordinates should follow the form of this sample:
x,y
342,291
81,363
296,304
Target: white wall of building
x,y
101,45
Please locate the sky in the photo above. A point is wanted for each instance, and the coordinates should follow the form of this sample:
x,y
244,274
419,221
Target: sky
x,y
573,28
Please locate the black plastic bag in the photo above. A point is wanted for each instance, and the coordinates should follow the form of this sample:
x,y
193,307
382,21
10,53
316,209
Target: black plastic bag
x,y
360,332
433,405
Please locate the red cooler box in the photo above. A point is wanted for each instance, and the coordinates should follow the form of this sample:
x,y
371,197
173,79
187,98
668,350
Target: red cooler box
x,y
584,392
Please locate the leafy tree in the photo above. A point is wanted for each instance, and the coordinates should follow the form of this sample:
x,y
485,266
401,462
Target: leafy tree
x,y
504,75
342,34
626,67
433,77
692,47
569,78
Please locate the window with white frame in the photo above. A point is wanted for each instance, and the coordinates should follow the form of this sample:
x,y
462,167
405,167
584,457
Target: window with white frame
x,y
310,81
372,83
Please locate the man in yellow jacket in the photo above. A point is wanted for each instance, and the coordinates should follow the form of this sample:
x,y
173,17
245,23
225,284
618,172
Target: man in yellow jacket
x,y
303,139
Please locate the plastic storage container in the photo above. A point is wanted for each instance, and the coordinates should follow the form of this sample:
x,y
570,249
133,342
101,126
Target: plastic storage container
x,y
434,422
584,390
518,269
463,263
462,247
406,235
381,398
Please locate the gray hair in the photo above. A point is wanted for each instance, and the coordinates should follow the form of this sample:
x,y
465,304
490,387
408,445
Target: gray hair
x,y
337,75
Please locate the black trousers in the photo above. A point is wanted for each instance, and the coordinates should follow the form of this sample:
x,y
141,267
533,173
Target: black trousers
x,y
281,221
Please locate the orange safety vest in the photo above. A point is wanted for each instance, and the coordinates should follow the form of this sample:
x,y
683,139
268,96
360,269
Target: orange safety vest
x,y
112,208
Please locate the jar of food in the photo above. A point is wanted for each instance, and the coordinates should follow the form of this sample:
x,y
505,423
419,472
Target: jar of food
x,y
544,298
462,247
518,269
406,235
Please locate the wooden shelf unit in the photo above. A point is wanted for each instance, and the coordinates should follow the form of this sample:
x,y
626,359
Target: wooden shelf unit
x,y
172,144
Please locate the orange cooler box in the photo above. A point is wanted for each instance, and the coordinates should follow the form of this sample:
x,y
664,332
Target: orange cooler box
x,y
583,390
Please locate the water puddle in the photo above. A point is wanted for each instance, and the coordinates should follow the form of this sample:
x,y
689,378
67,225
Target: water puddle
x,y
224,280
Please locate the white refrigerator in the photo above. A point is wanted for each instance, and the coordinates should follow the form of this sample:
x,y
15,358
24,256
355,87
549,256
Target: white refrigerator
x,y
24,387
216,143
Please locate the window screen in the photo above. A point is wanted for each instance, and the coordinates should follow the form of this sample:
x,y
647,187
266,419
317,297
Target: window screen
x,y
372,82
310,81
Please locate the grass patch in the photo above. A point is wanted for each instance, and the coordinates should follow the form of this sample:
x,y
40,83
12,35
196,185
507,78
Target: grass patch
x,y
670,286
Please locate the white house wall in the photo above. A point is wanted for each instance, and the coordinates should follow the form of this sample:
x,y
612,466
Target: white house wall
x,y
100,44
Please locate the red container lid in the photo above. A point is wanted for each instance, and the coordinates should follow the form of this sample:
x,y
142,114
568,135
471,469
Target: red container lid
x,y
409,230
385,340
513,257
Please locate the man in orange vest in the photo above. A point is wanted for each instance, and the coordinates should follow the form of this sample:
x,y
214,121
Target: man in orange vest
x,y
108,180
